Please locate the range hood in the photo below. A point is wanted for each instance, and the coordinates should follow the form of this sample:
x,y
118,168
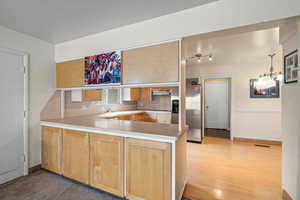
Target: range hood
x,y
161,92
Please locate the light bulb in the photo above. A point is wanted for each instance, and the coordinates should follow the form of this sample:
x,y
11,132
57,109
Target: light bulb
x,y
199,60
210,58
279,76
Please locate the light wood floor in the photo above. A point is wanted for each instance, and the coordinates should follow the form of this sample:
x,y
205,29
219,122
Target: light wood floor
x,y
223,170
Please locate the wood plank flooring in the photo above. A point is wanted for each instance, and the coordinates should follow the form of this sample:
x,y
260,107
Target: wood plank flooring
x,y
223,170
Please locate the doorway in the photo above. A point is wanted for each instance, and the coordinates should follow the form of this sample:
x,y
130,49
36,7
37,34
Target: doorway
x,y
216,107
13,121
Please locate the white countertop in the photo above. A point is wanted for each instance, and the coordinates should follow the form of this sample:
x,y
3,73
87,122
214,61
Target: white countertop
x,y
134,129
114,114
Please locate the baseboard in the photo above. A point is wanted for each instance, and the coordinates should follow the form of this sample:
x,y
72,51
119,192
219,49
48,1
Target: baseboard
x,y
269,142
34,169
286,196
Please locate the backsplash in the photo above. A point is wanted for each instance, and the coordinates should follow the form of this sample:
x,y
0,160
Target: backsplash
x,y
156,103
73,109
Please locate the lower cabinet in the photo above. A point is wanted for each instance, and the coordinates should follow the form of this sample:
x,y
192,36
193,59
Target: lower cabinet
x,y
148,170
164,118
52,149
132,168
107,163
76,155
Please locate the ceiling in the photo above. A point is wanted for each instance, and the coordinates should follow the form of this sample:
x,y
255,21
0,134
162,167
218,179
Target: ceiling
x,y
57,21
232,46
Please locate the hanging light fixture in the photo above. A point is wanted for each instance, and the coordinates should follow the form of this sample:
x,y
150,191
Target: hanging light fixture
x,y
271,75
199,57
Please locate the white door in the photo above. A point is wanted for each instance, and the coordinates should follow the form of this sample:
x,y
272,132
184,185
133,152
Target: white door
x,y
216,104
12,116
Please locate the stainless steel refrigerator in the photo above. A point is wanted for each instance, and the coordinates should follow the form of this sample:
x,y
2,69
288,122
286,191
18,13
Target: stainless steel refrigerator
x,y
193,109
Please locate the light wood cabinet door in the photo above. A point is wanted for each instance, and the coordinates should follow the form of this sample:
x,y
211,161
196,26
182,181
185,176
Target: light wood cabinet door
x,y
145,94
76,155
148,170
70,74
153,64
135,94
107,163
51,149
91,95
145,117
164,118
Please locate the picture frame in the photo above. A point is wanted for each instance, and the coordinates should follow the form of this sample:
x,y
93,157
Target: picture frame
x,y
291,67
264,89
105,68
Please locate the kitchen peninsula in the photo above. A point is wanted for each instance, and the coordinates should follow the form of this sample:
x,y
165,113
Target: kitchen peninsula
x,y
136,160
104,136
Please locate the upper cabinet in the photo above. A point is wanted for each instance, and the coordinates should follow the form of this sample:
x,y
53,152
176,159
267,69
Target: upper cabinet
x,y
154,64
92,95
70,74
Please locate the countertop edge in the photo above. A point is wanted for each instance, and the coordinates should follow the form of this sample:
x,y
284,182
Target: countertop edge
x,y
137,135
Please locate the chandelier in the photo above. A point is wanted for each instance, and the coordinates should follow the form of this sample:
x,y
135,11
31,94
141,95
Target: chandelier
x,y
271,75
200,56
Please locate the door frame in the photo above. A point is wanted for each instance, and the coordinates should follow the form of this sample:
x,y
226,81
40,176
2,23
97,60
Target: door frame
x,y
26,104
230,110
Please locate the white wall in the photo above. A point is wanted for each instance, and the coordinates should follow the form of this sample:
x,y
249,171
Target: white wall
x,y
41,81
222,14
243,57
290,39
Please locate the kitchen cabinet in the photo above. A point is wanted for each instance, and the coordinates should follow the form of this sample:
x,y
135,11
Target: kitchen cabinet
x,y
152,64
70,74
76,155
164,118
86,95
126,94
148,170
51,149
136,94
107,163
91,95
130,168
145,94
130,94
145,117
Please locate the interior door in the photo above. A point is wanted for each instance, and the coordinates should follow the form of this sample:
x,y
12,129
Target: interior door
x,y
12,116
216,104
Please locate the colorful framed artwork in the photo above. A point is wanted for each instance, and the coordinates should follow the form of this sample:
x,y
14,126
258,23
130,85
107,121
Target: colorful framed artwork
x,y
104,68
264,89
291,67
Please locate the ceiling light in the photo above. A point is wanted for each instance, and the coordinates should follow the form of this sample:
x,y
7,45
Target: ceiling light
x,y
200,56
271,75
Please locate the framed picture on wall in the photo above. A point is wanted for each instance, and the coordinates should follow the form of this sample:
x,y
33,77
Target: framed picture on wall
x,y
103,68
291,67
264,89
